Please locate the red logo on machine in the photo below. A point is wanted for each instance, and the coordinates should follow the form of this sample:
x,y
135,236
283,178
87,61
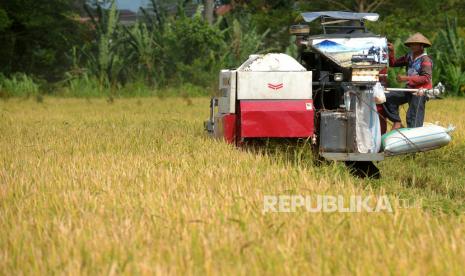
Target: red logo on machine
x,y
275,86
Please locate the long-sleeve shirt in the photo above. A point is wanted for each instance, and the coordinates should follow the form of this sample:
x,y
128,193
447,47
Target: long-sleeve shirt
x,y
419,70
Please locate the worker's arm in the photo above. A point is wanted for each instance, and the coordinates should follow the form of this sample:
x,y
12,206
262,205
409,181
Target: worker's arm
x,y
393,62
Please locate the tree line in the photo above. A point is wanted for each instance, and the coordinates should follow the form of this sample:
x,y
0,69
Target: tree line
x,y
48,47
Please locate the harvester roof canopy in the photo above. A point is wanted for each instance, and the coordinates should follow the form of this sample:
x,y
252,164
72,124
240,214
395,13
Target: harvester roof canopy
x,y
311,16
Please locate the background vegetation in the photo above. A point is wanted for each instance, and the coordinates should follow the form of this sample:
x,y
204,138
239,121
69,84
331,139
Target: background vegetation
x,y
47,45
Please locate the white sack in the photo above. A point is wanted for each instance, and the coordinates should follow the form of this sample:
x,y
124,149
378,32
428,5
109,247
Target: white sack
x,y
367,129
378,93
271,62
407,140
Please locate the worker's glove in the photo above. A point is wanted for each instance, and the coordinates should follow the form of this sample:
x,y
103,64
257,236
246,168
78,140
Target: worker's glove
x,y
421,92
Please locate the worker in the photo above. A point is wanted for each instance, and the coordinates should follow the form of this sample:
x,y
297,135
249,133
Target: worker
x,y
419,68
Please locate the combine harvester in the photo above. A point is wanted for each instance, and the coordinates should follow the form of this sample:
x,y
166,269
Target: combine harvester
x,y
329,96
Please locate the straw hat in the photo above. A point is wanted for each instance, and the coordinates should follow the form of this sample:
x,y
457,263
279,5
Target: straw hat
x,y
418,38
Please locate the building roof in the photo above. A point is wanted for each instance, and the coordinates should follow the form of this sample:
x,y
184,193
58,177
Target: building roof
x,y
127,14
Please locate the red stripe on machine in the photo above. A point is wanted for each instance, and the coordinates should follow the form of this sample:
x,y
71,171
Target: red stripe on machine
x,y
275,86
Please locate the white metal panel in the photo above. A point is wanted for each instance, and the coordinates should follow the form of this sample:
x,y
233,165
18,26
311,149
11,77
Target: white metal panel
x,y
274,85
233,92
227,101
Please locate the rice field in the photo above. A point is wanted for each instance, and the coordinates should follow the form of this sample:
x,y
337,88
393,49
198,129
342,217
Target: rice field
x,y
136,187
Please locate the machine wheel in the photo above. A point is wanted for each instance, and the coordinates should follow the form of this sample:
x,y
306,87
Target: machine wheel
x,y
363,169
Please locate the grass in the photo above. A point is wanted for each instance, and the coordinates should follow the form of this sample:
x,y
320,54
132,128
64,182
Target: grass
x,y
89,88
18,85
135,186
